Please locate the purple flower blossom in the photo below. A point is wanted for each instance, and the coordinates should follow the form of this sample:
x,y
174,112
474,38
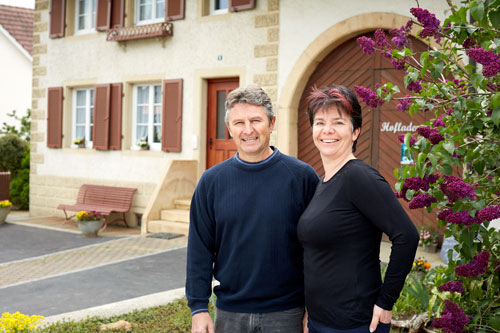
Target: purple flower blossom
x,y
416,183
478,266
415,86
470,43
489,213
428,21
461,217
453,319
381,39
491,69
458,190
400,41
404,104
366,44
424,131
443,215
482,56
368,96
435,137
421,200
439,121
399,64
453,287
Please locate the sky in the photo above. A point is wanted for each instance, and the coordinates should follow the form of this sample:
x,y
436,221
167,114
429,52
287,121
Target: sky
x,y
19,3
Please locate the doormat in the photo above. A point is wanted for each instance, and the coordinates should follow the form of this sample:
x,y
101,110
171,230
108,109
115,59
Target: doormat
x,y
164,235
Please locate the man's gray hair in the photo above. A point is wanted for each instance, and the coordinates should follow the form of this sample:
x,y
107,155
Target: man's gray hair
x,y
251,94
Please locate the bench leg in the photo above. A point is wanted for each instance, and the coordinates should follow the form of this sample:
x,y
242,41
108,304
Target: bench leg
x,y
125,220
105,223
66,217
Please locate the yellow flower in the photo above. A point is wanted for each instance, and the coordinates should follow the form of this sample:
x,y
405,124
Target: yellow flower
x,y
5,203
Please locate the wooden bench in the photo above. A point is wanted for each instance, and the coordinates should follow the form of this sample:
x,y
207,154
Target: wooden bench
x,y
103,199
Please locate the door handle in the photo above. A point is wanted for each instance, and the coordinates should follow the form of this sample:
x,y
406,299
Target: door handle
x,y
210,142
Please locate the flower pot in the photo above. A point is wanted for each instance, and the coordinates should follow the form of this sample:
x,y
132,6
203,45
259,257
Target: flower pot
x,y
4,211
431,248
90,228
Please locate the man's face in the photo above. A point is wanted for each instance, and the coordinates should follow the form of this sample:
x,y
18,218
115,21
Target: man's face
x,y
249,126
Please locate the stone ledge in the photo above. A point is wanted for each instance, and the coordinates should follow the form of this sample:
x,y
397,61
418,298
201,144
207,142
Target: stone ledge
x,y
266,20
265,50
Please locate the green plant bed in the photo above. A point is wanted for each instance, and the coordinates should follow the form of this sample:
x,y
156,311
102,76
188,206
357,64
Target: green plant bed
x,y
174,317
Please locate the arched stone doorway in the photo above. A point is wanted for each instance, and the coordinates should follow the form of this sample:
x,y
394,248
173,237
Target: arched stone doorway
x,y
378,144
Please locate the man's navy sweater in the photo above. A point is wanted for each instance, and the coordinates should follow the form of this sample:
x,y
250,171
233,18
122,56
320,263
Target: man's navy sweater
x,y
243,232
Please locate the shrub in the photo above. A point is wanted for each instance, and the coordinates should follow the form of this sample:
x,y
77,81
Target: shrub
x,y
12,149
20,183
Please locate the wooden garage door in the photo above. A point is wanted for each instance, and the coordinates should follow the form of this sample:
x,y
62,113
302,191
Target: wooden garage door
x,y
347,65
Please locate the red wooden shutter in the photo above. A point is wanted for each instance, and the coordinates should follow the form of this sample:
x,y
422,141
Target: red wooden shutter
x,y
57,18
102,99
239,5
54,117
174,10
117,13
115,123
171,125
103,15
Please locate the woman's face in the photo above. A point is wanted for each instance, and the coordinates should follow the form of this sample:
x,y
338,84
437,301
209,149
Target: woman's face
x,y
332,132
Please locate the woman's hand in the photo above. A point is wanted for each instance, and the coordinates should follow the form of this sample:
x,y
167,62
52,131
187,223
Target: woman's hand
x,y
380,315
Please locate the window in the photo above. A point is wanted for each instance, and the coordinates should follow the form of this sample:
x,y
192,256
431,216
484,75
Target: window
x,y
149,11
147,116
83,116
85,16
218,7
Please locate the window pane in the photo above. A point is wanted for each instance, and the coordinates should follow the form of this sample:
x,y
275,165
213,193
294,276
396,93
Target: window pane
x,y
142,95
145,10
81,96
157,94
80,116
221,126
220,4
82,7
160,8
142,132
80,131
142,114
157,115
157,134
94,6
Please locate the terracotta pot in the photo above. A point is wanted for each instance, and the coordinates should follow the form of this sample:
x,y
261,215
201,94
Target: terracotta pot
x,y
4,211
90,228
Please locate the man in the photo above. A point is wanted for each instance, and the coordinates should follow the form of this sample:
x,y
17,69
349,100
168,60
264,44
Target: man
x,y
244,215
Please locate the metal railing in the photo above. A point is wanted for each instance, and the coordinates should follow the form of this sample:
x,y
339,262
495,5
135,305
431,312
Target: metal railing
x,y
140,32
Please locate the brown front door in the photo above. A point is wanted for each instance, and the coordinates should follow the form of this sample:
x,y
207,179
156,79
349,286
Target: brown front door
x,y
220,145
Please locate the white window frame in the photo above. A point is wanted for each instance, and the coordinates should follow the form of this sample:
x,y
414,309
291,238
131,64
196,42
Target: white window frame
x,y
156,146
89,109
214,11
153,13
90,20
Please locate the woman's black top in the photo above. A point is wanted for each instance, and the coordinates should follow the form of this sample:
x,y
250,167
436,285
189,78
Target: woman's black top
x,y
341,231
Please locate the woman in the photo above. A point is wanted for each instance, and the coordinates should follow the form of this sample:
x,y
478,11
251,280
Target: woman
x,y
342,227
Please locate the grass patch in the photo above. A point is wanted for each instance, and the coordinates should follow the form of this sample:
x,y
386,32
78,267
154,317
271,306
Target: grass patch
x,y
174,317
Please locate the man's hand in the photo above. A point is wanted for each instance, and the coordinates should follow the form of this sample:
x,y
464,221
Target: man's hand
x,y
304,324
380,315
202,323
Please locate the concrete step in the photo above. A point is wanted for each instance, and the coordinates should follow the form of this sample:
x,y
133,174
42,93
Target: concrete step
x,y
182,204
178,215
173,227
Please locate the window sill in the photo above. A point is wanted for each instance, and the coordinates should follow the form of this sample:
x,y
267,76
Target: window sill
x,y
140,32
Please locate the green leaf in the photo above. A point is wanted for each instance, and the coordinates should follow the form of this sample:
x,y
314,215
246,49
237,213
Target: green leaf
x,y
433,158
495,18
477,10
495,100
479,166
495,115
449,146
446,169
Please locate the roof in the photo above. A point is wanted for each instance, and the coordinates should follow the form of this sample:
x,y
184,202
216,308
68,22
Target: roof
x,y
19,23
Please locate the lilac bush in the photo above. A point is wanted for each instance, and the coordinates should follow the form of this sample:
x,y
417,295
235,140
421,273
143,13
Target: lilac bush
x,y
456,172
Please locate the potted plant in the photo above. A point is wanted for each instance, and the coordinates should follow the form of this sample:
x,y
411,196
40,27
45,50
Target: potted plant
x,y
89,222
143,144
429,240
79,142
5,207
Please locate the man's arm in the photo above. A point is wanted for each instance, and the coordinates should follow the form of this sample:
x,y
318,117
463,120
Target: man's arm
x,y
201,250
